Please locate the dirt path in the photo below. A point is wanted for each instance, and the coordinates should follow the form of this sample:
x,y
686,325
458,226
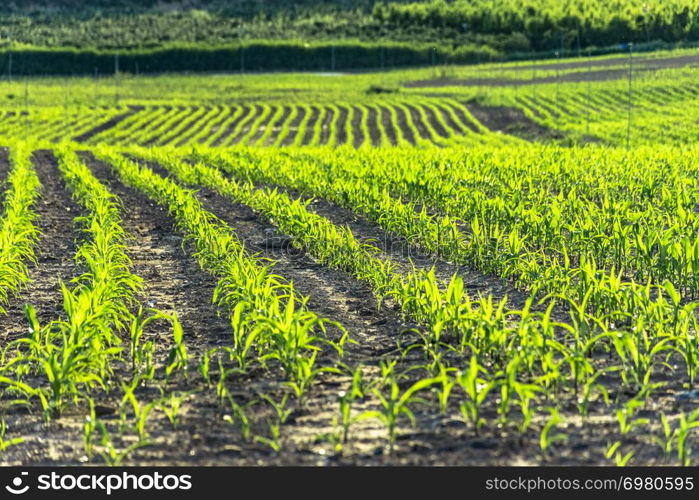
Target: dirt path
x,y
641,60
511,121
641,65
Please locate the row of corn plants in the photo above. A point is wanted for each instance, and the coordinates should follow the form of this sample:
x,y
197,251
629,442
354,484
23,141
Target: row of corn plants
x,y
61,361
525,356
270,322
18,232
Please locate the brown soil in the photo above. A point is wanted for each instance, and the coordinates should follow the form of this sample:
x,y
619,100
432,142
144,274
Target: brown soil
x,y
311,125
357,131
436,126
644,61
373,126
407,256
185,131
111,123
4,172
441,439
463,118
447,117
202,437
405,129
255,111
262,126
388,126
511,121
54,253
419,124
325,125
294,127
215,121
231,126
172,280
277,126
342,126
56,211
156,133
333,294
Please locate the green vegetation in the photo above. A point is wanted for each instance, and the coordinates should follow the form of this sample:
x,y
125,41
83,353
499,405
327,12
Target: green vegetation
x,y
61,38
18,234
549,25
352,269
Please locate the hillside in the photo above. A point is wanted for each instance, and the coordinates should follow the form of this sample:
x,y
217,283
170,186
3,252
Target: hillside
x,y
506,26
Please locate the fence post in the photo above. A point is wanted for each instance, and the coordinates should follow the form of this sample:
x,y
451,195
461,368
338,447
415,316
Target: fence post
x,y
630,104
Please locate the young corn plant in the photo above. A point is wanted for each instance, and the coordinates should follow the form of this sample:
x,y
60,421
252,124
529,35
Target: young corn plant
x,y
548,435
477,389
620,459
394,404
140,412
685,426
274,441
666,441
280,408
238,416
6,443
171,405
346,399
112,455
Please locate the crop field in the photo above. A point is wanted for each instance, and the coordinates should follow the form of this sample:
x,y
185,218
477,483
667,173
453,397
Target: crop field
x,y
353,270
385,123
